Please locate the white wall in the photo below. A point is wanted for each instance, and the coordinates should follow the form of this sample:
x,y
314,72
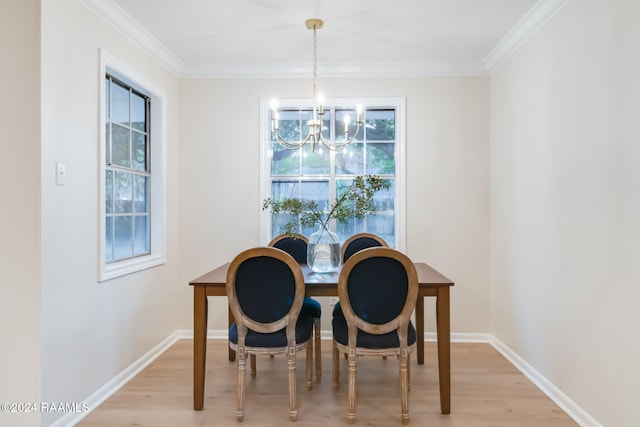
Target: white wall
x,y
20,208
92,331
447,177
564,224
565,205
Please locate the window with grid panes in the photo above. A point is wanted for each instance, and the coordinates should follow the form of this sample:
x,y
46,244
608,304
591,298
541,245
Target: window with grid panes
x,y
132,185
127,172
322,174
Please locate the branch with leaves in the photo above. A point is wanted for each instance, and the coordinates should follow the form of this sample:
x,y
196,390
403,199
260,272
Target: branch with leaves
x,y
356,201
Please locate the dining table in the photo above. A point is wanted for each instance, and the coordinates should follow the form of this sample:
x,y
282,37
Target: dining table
x,y
431,284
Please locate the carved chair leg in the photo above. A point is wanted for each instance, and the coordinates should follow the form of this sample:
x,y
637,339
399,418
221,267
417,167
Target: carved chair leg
x,y
335,375
293,398
252,365
241,360
317,346
409,371
351,410
309,367
404,389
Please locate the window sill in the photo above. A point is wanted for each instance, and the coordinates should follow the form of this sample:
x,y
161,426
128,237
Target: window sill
x,y
122,268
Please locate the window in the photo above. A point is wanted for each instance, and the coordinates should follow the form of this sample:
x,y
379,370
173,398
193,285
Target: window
x,y
322,174
127,177
132,221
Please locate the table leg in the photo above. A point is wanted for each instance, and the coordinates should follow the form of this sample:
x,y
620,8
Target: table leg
x,y
420,329
444,348
200,311
232,353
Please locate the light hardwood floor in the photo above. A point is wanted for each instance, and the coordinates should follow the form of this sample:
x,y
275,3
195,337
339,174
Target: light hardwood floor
x,y
486,391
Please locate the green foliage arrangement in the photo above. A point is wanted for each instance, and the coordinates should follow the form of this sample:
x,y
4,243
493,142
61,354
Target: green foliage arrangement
x,y
356,201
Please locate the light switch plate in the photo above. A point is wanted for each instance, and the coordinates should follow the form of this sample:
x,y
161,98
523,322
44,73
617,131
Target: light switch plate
x,y
61,173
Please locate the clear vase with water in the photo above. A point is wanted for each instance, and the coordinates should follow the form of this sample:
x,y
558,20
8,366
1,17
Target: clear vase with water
x,y
323,250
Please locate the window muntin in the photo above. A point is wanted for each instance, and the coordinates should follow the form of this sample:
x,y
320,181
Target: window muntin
x,y
127,172
322,174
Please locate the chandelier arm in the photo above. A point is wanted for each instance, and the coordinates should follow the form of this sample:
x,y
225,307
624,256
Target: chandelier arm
x,y
336,146
292,145
319,138
286,144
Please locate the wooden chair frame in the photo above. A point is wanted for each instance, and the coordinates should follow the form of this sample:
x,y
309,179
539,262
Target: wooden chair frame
x,y
347,242
316,320
343,250
399,324
288,321
286,236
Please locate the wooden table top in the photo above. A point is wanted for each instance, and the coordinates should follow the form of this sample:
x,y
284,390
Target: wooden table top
x,y
427,276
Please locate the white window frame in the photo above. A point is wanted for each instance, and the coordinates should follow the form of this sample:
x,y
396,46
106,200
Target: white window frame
x,y
158,186
399,103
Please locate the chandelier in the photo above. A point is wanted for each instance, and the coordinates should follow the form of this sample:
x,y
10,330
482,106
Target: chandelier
x,y
315,123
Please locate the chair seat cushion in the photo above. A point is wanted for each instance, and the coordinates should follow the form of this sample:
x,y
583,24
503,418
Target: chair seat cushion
x,y
337,310
366,340
311,308
304,328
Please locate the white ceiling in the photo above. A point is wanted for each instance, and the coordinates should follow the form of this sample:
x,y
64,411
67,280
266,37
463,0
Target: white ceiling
x,y
360,37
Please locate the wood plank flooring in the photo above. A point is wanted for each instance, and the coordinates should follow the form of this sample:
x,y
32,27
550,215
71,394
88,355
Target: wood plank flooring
x,y
486,391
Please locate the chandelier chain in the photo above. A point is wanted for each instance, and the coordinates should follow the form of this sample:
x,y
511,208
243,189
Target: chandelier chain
x,y
314,66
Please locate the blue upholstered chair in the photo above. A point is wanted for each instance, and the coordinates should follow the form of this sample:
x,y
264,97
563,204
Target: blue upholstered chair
x,y
360,241
265,287
356,243
296,246
378,288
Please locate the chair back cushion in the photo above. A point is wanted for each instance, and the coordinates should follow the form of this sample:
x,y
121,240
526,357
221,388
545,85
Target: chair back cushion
x,y
377,288
360,241
297,248
265,288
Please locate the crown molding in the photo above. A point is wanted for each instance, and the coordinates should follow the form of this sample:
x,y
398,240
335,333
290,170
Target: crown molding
x,y
122,22
379,69
535,19
113,14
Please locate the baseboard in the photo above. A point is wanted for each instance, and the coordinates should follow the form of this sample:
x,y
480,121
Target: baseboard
x,y
121,379
556,395
572,409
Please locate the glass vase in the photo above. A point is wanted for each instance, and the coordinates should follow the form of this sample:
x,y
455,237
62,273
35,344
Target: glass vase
x,y
323,251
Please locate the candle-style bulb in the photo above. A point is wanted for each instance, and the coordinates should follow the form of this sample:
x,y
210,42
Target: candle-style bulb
x,y
347,120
